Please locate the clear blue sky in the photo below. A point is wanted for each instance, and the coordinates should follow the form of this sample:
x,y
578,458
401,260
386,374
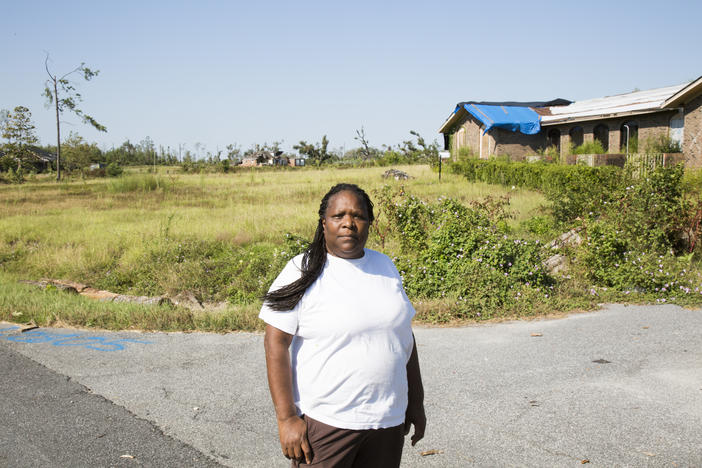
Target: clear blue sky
x,y
214,73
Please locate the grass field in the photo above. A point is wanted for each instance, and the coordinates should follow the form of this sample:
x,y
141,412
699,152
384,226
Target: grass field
x,y
148,234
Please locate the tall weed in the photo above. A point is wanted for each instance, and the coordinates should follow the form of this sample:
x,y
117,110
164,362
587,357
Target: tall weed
x,y
139,183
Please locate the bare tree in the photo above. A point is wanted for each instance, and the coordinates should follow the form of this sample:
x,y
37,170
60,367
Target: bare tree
x,y
366,151
68,99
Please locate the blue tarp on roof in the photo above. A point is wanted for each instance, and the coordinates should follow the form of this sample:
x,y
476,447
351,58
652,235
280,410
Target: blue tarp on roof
x,y
513,118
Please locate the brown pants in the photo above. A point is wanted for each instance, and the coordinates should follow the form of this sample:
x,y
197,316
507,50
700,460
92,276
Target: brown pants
x,y
347,448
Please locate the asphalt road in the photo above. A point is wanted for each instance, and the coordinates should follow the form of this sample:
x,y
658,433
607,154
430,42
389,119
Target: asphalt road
x,y
617,387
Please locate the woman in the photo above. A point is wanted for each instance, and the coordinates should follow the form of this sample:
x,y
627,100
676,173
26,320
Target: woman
x,y
342,362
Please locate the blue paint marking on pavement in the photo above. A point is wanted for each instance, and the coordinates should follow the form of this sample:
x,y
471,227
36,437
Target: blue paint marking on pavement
x,y
97,343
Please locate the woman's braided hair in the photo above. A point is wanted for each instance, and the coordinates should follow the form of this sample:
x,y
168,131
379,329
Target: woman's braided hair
x,y
314,258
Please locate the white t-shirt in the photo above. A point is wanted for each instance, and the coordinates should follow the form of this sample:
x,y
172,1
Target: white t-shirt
x,y
352,340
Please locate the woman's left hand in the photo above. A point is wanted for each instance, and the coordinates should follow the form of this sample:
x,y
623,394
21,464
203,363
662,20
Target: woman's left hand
x,y
415,415
415,398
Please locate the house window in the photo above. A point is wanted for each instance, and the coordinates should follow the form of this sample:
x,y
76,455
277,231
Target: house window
x,y
676,129
601,134
461,138
554,138
576,136
629,139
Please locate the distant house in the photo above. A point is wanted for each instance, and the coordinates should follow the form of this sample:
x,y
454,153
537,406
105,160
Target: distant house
x,y
270,158
249,161
522,128
39,158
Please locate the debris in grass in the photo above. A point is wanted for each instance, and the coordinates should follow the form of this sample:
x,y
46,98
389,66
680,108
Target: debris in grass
x,y
566,239
430,452
396,174
97,294
28,326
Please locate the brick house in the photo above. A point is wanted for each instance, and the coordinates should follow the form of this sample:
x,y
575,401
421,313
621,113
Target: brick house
x,y
519,129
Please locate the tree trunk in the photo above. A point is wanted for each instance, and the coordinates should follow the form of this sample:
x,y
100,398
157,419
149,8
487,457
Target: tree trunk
x,y
58,134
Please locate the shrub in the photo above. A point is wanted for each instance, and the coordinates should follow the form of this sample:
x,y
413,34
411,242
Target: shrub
x,y
589,147
113,170
16,176
661,144
466,152
572,190
633,244
611,259
463,253
540,226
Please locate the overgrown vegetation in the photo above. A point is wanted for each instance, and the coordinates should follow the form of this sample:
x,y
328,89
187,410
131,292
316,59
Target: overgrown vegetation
x,y
641,231
466,255
589,147
466,250
661,144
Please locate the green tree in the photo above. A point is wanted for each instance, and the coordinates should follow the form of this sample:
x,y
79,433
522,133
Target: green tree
x,y
421,150
68,99
78,153
18,129
318,153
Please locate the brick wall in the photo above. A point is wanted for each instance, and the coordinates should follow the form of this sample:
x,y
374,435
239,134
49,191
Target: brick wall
x,y
650,126
469,137
692,138
516,144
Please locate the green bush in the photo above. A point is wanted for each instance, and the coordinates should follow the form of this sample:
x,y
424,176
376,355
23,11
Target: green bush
x,y
611,259
661,144
589,147
463,253
572,190
540,226
466,152
113,170
637,240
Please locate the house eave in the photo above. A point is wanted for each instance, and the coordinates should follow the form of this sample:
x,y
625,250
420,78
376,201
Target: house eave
x,y
588,118
688,92
452,120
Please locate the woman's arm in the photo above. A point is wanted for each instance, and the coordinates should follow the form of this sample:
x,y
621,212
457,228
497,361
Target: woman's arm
x,y
292,430
415,404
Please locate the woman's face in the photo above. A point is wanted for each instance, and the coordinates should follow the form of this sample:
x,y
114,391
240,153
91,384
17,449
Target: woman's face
x,y
346,225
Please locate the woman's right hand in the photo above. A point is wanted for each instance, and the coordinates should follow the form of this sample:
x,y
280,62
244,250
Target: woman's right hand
x,y
293,439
